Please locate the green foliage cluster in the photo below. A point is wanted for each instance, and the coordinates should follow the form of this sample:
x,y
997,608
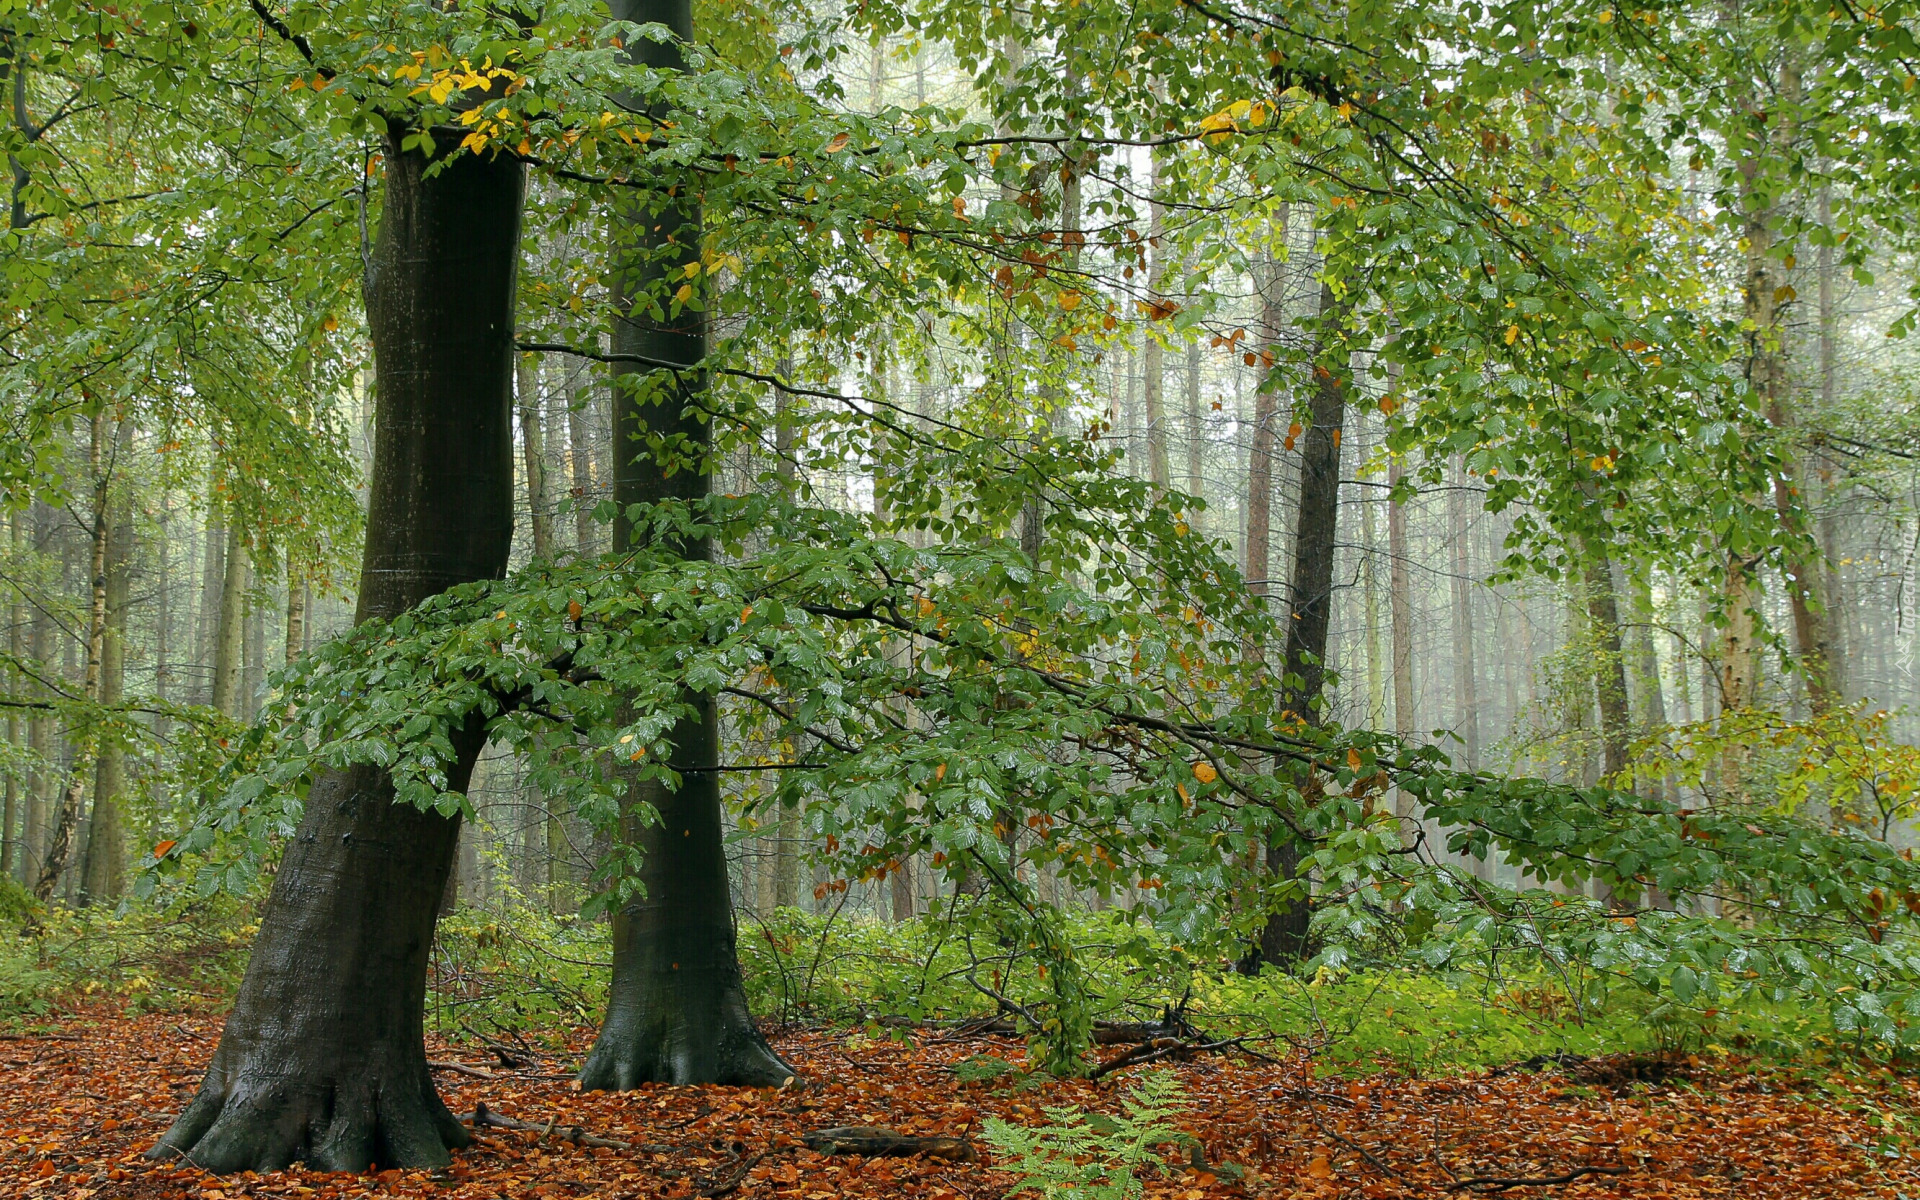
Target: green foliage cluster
x,y
1029,644
62,959
1096,1157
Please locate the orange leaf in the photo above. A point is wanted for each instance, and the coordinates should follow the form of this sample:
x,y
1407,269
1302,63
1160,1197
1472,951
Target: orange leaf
x,y
160,851
573,610
838,143
1204,772
1320,1168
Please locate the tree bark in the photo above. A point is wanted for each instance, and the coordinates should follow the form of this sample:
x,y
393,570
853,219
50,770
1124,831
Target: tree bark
x,y
1466,674
11,815
66,816
213,547
1610,668
533,444
299,577
39,727
322,1059
1159,468
1400,635
1287,939
1258,551
230,631
1196,433
580,465
103,874
676,1006
786,846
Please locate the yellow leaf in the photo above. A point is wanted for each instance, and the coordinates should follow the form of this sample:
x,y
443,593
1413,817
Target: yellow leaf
x,y
1069,301
838,143
684,294
1204,772
1606,17
1513,334
940,772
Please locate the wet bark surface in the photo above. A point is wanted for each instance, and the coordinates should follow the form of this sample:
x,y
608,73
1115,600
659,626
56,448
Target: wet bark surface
x,y
676,1008
322,1058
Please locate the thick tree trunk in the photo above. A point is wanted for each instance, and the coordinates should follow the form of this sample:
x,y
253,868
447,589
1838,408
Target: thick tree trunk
x,y
322,1058
676,1007
1286,939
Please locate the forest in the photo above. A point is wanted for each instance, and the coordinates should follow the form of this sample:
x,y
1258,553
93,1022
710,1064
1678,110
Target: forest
x,y
1056,598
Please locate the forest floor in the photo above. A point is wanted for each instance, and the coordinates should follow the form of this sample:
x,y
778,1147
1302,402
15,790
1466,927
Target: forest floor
x,y
82,1099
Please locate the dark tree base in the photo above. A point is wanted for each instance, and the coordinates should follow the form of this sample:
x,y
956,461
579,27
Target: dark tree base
x,y
322,1060
329,1116
681,1023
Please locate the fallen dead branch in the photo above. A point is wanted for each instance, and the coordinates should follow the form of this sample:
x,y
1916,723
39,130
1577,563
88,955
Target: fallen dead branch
x,y
485,1118
1158,1049
1490,1184
734,1180
872,1142
460,1068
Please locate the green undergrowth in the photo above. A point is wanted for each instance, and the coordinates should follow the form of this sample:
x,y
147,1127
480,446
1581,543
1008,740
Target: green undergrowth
x,y
59,960
530,975
516,973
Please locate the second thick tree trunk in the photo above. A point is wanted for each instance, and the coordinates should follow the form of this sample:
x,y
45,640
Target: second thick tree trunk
x,y
322,1059
676,1007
